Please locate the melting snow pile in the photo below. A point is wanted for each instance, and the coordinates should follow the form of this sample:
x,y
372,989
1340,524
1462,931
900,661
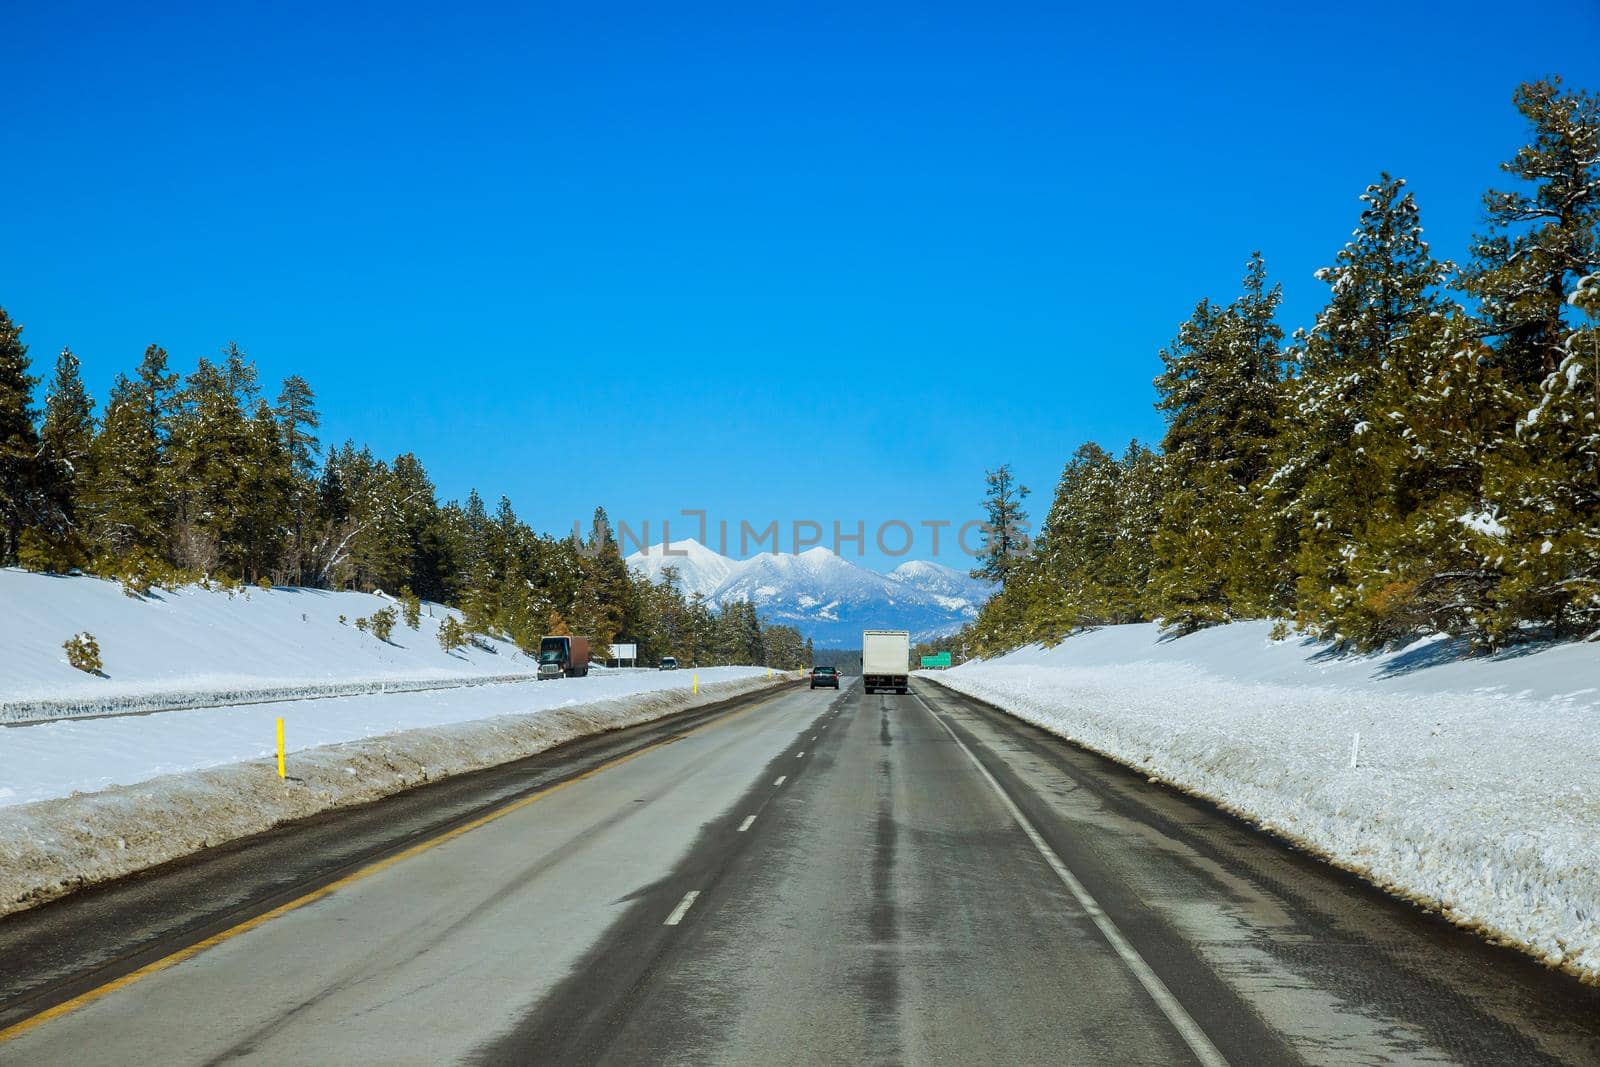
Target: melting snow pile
x,y
1474,787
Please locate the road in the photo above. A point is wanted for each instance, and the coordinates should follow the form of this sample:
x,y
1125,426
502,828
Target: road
x,y
798,878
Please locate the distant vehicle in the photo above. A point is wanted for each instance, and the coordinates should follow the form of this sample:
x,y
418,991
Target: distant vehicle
x,y
886,660
827,676
669,663
563,657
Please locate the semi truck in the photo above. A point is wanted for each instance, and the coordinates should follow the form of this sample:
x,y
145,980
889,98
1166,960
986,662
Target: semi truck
x,y
563,657
885,660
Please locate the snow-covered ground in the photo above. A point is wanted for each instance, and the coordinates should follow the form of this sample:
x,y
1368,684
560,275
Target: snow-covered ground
x,y
211,789
196,641
86,799
1476,784
56,759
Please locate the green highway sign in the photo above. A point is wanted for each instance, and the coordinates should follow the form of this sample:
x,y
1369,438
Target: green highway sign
x,y
941,660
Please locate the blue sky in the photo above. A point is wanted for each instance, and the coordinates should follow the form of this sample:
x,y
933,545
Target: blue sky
x,y
828,262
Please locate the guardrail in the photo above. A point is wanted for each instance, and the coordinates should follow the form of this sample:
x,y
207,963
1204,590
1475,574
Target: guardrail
x,y
31,712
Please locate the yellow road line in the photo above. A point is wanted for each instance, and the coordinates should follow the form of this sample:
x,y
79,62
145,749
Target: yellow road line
x,y
90,996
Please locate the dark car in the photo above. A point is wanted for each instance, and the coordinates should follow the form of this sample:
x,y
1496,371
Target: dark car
x,y
669,663
824,676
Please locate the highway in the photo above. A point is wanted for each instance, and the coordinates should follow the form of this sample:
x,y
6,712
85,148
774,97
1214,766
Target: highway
x,y
797,877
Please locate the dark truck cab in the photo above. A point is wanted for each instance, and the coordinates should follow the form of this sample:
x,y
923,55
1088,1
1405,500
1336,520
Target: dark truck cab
x,y
563,657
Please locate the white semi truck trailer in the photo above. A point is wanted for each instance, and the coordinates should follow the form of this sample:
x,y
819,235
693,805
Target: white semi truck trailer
x,y
885,660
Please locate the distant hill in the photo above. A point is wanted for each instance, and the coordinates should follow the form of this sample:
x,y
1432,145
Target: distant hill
x,y
823,595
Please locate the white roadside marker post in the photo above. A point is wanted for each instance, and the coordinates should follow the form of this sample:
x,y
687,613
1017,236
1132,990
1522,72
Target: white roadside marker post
x,y
1355,749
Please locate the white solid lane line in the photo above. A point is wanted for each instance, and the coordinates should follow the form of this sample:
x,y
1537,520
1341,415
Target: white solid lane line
x,y
1175,1012
780,780
748,819
682,909
802,752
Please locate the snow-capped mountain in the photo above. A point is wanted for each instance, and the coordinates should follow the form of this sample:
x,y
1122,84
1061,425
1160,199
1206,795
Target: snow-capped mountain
x,y
957,586
700,570
824,596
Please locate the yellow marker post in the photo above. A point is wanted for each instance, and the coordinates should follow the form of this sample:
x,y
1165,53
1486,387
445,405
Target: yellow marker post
x,y
281,773
697,685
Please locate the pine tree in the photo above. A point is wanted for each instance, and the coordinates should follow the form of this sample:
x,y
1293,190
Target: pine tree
x,y
240,375
1540,241
208,453
607,575
1538,266
1005,537
1219,391
447,551
298,423
1328,487
1428,555
124,498
67,433
1545,484
417,510
156,388
130,495
20,490
1077,541
1141,485
55,539
260,533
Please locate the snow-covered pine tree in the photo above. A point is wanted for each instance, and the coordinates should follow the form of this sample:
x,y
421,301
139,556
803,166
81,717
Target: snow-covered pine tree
x,y
1219,392
1327,486
362,542
1545,482
382,624
1538,278
121,498
20,481
1541,238
65,438
83,653
1140,487
1075,546
1428,557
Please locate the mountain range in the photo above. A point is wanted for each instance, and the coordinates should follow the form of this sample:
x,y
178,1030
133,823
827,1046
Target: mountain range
x,y
823,595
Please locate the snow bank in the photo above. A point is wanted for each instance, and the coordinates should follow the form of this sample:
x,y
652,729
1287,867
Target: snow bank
x,y
53,846
195,641
55,759
1474,792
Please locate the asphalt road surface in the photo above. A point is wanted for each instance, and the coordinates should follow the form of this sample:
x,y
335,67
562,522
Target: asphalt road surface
x,y
794,878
